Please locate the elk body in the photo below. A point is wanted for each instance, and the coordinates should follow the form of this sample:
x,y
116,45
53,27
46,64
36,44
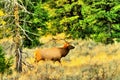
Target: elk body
x,y
54,53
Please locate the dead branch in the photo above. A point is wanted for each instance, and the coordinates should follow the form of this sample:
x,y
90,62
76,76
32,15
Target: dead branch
x,y
28,65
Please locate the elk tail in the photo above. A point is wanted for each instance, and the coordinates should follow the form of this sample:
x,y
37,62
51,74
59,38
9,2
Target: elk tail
x,y
37,55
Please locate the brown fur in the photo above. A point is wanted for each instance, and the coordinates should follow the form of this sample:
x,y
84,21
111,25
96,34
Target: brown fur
x,y
54,54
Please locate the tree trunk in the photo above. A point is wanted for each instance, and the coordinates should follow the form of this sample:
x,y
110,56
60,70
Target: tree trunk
x,y
110,39
17,39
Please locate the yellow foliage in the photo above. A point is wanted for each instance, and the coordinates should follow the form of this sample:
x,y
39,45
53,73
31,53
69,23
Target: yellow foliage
x,y
60,36
10,39
30,60
1,13
51,12
82,60
49,25
99,58
3,22
46,38
49,37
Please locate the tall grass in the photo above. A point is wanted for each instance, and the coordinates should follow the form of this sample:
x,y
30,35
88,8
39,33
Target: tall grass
x,y
88,61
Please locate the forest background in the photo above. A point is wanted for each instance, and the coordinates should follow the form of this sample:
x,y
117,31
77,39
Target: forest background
x,y
96,20
91,19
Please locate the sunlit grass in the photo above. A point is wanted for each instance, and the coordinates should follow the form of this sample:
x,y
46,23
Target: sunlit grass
x,y
88,61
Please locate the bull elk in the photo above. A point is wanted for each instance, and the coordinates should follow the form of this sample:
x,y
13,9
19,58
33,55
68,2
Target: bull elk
x,y
54,54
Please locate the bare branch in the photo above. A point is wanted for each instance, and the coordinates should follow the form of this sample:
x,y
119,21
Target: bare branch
x,y
24,32
25,21
28,65
27,30
23,7
20,57
31,33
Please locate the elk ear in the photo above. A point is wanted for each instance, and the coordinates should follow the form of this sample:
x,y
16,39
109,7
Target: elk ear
x,y
66,45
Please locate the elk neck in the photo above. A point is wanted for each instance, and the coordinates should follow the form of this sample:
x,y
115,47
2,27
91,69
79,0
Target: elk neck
x,y
64,51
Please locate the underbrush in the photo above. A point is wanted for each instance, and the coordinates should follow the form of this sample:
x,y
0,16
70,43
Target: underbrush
x,y
88,61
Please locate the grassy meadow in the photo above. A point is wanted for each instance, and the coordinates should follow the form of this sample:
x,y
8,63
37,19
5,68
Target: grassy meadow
x,y
88,61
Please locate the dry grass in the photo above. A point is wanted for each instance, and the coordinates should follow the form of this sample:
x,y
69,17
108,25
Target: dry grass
x,y
88,61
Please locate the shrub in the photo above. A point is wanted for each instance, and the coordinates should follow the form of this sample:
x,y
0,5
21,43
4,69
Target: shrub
x,y
5,63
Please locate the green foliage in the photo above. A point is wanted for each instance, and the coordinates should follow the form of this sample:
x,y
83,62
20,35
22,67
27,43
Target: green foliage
x,y
4,31
32,22
102,17
65,18
5,63
94,19
32,18
86,19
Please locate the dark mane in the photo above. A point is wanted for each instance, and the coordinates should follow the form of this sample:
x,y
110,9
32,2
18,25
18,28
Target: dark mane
x,y
64,51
